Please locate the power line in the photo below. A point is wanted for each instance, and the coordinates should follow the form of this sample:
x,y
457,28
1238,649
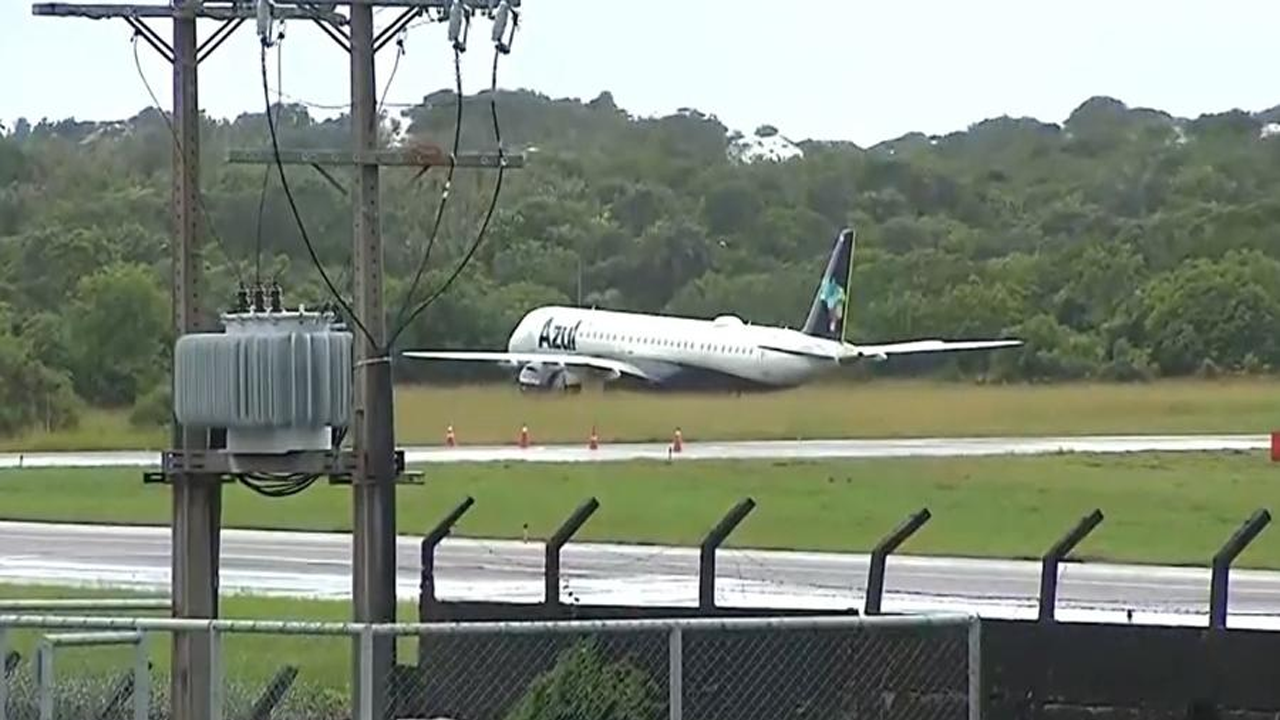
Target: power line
x,y
262,203
499,50
266,171
394,69
444,195
177,143
302,228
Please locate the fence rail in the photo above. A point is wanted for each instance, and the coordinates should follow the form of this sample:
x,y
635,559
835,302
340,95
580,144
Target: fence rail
x,y
667,669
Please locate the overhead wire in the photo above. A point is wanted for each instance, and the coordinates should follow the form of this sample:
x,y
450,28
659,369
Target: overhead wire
x,y
266,170
500,48
382,101
317,105
262,204
493,203
444,194
293,207
177,144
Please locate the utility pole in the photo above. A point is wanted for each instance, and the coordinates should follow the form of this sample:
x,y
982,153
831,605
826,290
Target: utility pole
x,y
373,465
197,492
374,490
197,497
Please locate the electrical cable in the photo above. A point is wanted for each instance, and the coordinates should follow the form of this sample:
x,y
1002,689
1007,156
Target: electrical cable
x,y
392,77
262,204
493,203
444,195
278,486
177,144
317,105
266,174
306,239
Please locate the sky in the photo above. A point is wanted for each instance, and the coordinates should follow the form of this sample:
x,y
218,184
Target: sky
x,y
822,69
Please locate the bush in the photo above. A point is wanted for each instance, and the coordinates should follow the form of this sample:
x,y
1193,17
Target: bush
x,y
154,408
584,686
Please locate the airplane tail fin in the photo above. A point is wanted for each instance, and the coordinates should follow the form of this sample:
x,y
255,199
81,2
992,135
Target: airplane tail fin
x,y
830,306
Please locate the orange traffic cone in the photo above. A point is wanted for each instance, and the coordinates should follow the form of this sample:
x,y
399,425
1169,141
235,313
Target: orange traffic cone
x,y
524,436
449,438
594,441
677,443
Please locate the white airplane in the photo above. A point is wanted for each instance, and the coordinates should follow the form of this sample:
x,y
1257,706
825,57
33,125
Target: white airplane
x,y
557,347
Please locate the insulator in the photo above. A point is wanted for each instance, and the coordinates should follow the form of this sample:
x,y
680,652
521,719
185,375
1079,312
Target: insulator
x,y
264,22
500,22
456,16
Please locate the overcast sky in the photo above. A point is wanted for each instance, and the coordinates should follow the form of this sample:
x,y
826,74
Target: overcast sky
x,y
837,69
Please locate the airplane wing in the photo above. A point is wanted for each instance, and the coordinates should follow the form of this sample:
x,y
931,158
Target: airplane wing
x,y
884,350
510,358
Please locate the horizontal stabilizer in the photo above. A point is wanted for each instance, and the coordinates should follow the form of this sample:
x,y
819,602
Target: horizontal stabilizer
x,y
925,346
517,358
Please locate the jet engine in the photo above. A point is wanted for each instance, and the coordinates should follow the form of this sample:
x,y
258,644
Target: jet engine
x,y
548,377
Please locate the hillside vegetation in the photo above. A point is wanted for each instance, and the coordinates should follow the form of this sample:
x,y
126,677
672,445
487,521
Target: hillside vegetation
x,y
1122,244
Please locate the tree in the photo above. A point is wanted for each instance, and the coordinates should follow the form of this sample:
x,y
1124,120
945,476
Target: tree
x,y
1212,310
32,395
1121,243
120,321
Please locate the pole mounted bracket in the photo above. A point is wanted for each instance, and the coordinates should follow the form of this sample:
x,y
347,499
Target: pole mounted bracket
x,y
340,467
417,157
404,157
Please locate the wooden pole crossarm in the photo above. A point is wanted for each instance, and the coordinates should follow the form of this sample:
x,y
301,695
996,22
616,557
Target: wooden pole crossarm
x,y
397,158
97,11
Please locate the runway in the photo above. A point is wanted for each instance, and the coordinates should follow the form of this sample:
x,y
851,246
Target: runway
x,y
318,565
759,450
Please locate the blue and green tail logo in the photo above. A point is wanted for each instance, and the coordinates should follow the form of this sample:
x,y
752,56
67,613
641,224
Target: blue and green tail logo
x,y
830,306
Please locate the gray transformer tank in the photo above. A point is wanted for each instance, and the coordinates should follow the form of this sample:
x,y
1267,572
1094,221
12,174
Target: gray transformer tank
x,y
278,381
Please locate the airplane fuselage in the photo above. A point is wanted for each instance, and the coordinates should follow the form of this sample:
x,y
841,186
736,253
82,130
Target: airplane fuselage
x,y
677,352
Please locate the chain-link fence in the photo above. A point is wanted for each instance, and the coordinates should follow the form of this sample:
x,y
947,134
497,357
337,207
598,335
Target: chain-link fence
x,y
94,668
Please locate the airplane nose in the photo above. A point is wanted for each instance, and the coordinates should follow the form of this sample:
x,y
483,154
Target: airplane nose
x,y
520,336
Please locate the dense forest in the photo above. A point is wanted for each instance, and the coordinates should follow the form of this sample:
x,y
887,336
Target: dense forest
x,y
1121,244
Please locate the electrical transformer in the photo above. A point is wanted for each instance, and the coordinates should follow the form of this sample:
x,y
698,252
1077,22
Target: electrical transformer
x,y
278,380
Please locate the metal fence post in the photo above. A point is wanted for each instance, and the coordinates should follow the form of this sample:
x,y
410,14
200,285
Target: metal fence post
x,y
975,668
4,672
880,555
44,678
217,692
710,544
366,689
141,680
1222,565
551,565
675,674
1056,554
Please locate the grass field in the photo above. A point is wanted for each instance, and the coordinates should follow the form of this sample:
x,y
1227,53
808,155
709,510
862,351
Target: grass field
x,y
1168,508
494,413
